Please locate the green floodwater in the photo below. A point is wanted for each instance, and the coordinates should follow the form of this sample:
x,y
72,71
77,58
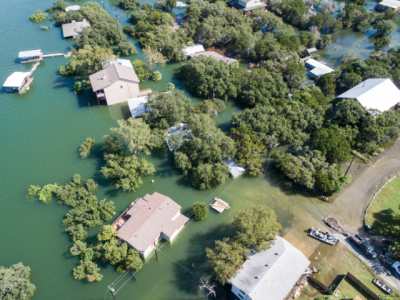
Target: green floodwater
x,y
40,134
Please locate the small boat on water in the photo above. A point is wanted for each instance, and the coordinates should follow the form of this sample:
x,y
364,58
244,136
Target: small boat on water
x,y
332,222
382,286
322,236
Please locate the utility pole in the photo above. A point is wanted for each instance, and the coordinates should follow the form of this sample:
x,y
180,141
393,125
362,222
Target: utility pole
x,y
103,4
349,166
155,250
115,8
112,292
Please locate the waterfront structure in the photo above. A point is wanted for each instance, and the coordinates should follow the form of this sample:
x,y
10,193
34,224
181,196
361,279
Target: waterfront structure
x,y
234,168
148,220
317,68
375,93
271,274
115,84
30,56
216,56
73,29
137,106
386,4
16,81
72,7
190,50
247,5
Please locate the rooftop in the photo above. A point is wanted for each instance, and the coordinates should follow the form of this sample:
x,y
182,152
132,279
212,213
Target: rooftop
x,y
112,74
272,273
376,93
234,168
72,7
214,55
390,3
318,68
123,62
137,105
190,50
29,53
178,129
148,217
16,79
74,28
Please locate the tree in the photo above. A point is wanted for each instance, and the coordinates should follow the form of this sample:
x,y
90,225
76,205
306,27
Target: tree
x,y
294,74
125,48
129,4
86,147
257,226
226,259
326,83
142,71
167,109
199,211
381,42
384,28
153,57
355,16
156,76
132,262
351,80
115,251
331,144
170,87
38,16
170,4
77,232
136,135
15,283
107,232
88,270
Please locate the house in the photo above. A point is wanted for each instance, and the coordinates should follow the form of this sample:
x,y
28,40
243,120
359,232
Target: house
x,y
190,50
72,7
376,93
317,68
16,81
271,274
137,106
180,131
148,220
386,4
216,56
30,56
74,28
247,5
115,84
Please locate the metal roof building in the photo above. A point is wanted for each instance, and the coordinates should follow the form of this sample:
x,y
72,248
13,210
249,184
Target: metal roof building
x,y
385,4
270,274
190,50
317,68
16,80
376,93
29,54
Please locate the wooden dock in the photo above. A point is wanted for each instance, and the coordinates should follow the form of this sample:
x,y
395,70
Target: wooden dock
x,y
29,80
54,54
220,205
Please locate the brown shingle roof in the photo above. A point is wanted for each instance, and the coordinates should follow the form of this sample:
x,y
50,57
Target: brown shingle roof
x,y
74,28
148,218
112,74
215,55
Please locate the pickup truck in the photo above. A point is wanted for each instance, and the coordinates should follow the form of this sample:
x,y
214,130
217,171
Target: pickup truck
x,y
364,245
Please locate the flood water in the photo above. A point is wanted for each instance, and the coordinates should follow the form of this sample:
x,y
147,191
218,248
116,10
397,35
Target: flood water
x,y
40,135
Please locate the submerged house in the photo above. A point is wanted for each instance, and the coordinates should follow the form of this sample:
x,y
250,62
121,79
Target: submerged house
x,y
216,56
115,84
375,93
317,68
247,5
386,4
73,29
148,220
137,106
30,56
16,81
176,135
272,274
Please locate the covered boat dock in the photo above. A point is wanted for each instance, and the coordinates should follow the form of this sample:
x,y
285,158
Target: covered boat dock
x,y
16,81
30,56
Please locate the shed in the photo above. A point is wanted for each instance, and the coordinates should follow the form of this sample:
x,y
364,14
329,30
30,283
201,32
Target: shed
x,y
72,7
311,50
375,93
16,80
317,68
386,4
190,50
74,28
270,274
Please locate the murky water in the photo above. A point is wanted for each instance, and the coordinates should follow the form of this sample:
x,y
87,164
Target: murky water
x,y
40,134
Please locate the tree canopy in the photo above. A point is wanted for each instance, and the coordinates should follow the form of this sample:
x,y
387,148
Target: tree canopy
x,y
331,144
15,283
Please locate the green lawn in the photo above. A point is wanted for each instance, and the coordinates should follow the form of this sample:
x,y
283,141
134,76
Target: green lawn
x,y
384,213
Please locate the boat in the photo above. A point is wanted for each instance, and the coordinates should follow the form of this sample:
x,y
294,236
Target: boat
x,y
220,205
382,286
333,223
323,237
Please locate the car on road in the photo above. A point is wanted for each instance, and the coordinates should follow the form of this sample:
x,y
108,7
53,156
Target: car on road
x,y
365,246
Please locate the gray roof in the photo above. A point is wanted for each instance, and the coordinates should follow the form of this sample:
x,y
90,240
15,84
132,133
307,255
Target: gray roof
x,y
74,28
214,55
112,74
272,273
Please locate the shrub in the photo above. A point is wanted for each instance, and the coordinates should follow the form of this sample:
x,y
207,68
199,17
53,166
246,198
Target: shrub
x,y
156,76
38,16
170,87
200,211
78,88
86,147
44,27
142,71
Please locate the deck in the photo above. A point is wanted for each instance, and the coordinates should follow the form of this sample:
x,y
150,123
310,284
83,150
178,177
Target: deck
x,y
40,58
220,205
26,85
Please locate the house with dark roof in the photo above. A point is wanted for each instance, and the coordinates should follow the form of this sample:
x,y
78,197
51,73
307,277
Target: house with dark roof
x,y
148,220
272,274
73,29
115,84
247,5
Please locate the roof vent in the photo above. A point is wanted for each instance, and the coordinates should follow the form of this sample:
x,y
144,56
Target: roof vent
x,y
277,253
267,265
104,76
257,277
150,207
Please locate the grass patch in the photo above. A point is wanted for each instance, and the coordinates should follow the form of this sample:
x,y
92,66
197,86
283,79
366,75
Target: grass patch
x,y
343,260
384,213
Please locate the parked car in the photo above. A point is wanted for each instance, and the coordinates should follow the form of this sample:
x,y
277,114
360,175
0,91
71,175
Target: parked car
x,y
365,246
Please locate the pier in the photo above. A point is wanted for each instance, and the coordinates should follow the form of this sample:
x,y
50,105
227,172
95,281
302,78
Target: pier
x,y
29,79
54,54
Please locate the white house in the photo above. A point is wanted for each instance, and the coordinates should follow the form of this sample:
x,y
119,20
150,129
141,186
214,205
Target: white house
x,y
74,28
386,4
377,93
16,81
270,274
317,68
247,5
148,220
